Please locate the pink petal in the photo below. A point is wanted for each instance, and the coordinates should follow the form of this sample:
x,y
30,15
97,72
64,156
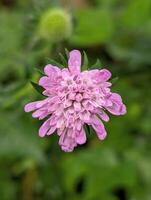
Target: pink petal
x,y
38,113
77,106
114,109
67,103
53,107
44,128
53,120
85,116
79,97
65,72
93,73
59,132
104,116
67,148
74,62
30,106
45,114
87,105
80,137
41,103
51,130
71,96
78,124
99,128
104,74
71,110
123,110
51,70
66,142
117,108
60,123
116,97
44,81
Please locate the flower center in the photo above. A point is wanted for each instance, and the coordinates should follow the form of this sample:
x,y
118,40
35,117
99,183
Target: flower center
x,y
77,94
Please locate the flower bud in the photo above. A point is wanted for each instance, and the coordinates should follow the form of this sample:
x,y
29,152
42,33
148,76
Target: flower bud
x,y
55,25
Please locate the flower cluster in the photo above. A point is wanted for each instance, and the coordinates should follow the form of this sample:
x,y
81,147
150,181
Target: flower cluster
x,y
74,98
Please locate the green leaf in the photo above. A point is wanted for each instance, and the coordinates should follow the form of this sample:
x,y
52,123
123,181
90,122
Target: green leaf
x,y
37,87
67,53
85,61
97,64
63,60
40,71
87,128
55,63
114,80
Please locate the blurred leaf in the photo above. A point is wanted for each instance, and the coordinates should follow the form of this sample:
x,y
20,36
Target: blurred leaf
x,y
8,100
108,3
8,189
137,13
109,172
94,26
14,28
134,49
19,140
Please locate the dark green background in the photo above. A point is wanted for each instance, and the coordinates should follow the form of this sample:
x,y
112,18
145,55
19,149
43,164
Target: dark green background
x,y
119,168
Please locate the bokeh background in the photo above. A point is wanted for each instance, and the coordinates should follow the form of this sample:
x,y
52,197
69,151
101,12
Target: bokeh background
x,y
118,32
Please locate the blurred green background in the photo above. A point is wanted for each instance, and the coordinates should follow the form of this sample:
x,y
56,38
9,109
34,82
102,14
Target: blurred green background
x,y
119,33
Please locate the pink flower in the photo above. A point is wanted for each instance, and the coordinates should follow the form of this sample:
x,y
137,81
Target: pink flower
x,y
74,98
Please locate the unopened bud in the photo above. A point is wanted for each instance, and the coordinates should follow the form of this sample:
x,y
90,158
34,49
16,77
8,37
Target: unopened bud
x,y
55,25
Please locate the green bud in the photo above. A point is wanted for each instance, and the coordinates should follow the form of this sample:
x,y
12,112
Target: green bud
x,y
55,25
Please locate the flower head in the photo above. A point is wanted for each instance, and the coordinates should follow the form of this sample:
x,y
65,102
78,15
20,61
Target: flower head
x,y
74,98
